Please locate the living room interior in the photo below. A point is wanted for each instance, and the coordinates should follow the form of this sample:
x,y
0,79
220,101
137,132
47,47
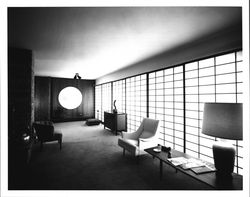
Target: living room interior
x,y
94,75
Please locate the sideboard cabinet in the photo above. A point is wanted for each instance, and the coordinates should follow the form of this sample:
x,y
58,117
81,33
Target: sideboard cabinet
x,y
116,122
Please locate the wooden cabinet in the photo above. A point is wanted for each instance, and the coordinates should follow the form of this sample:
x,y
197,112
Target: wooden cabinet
x,y
115,121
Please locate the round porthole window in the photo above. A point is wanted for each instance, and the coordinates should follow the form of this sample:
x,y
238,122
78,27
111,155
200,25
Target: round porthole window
x,y
70,98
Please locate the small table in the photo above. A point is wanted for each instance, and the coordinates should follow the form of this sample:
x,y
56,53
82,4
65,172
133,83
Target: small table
x,y
210,178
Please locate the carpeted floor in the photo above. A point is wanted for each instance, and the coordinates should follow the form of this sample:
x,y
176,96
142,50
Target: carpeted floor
x,y
90,159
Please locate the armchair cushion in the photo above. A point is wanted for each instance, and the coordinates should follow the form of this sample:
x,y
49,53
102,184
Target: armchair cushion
x,y
134,135
146,134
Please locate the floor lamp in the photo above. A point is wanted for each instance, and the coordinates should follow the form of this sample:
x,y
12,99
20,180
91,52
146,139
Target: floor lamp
x,y
224,121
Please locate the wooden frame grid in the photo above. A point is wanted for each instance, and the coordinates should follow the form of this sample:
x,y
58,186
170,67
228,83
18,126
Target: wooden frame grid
x,y
136,101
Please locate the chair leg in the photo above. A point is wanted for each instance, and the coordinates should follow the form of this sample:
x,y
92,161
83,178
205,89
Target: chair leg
x,y
41,145
60,143
137,159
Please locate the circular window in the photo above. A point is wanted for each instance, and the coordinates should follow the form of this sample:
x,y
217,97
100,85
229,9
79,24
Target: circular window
x,y
70,97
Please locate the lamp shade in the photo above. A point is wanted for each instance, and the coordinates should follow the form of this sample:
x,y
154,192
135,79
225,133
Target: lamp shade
x,y
223,120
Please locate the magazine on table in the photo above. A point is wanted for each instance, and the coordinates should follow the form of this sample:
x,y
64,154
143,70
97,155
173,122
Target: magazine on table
x,y
176,161
192,163
186,163
196,165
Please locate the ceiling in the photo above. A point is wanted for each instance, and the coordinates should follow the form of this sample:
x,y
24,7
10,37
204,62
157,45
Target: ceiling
x,y
98,40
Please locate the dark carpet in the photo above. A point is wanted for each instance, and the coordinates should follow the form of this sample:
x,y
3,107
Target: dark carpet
x,y
90,159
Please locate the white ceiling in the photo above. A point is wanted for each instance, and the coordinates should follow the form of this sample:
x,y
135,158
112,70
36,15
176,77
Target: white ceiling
x,y
96,41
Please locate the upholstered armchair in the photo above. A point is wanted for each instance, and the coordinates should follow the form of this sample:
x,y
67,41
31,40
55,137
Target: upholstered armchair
x,y
45,132
144,137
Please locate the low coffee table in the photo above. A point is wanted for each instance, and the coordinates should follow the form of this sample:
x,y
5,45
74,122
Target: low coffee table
x,y
210,178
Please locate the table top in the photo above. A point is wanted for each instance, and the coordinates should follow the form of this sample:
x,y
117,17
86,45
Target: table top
x,y
111,112
210,178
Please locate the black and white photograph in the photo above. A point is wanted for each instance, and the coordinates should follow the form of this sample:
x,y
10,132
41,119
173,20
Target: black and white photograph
x,y
136,98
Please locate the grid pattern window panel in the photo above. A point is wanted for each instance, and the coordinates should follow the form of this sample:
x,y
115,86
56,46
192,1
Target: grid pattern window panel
x,y
119,95
136,101
229,89
106,99
166,105
156,100
98,101
210,80
239,99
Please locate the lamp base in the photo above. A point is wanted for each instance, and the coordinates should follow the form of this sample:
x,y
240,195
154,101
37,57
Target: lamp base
x,y
224,157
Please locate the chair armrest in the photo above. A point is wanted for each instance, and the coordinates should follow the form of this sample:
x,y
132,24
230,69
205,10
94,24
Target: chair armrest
x,y
147,139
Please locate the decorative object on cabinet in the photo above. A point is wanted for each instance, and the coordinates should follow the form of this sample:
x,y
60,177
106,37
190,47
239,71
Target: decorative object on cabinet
x,y
114,110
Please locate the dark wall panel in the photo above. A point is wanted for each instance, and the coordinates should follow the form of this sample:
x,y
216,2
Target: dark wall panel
x,y
88,99
42,98
48,103
20,91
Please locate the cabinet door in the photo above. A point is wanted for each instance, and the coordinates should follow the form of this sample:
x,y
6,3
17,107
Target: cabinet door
x,y
121,122
109,120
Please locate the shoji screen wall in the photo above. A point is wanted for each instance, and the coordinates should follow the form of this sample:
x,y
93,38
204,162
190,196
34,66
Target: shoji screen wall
x,y
216,79
176,96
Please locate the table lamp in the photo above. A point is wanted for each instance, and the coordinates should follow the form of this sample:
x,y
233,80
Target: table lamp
x,y
223,120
